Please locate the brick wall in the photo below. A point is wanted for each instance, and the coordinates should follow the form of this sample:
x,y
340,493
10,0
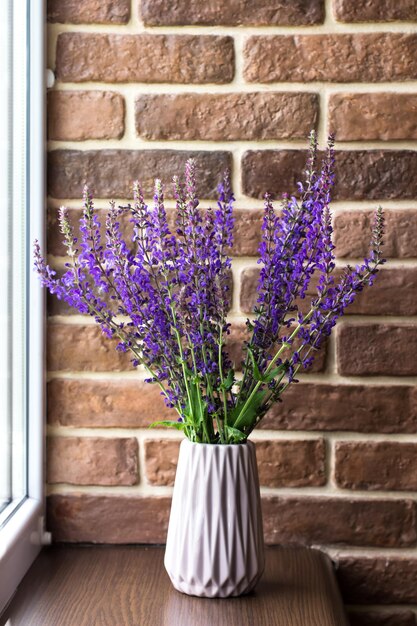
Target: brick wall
x,y
138,90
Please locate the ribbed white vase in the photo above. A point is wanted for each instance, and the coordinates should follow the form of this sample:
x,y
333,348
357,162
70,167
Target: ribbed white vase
x,y
215,545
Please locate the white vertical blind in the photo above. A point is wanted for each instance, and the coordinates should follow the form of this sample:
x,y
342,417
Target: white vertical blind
x,y
22,207
5,252
20,250
13,254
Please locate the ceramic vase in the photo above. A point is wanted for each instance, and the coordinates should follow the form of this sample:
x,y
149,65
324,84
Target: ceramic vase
x,y
215,546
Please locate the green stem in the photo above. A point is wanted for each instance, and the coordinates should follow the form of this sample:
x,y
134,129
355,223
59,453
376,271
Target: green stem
x,y
222,422
259,383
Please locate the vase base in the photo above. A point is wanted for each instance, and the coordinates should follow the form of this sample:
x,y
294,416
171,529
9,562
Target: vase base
x,y
226,590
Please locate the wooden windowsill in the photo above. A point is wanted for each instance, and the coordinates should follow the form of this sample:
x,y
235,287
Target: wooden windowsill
x,y
128,586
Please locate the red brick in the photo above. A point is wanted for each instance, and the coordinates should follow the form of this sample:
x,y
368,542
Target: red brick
x,y
341,58
382,618
108,519
352,228
272,171
89,11
110,173
377,349
312,521
357,408
360,174
80,347
93,460
55,238
375,11
289,463
247,229
232,13
239,334
373,116
81,115
161,457
223,117
280,463
248,293
247,232
105,403
378,580
370,465
393,293
144,58
119,519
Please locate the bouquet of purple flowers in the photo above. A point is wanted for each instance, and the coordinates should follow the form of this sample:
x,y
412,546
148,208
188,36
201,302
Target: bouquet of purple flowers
x,y
165,298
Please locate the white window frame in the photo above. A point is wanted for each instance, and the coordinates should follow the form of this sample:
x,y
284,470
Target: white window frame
x,y
23,534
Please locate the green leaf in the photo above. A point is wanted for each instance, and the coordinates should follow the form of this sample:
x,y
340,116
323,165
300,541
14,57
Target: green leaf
x,y
257,374
273,373
234,435
256,371
250,413
169,424
198,407
229,382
